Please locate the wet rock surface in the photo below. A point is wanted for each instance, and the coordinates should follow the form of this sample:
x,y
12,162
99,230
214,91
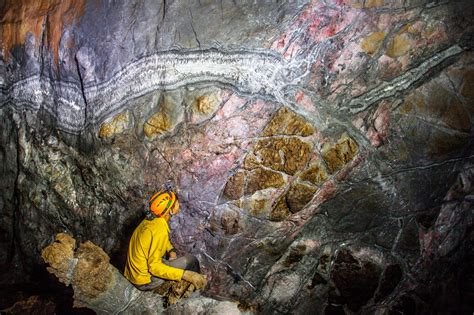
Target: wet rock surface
x,y
322,151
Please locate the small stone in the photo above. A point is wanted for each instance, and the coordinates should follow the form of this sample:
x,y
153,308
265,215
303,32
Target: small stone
x,y
373,42
287,122
339,154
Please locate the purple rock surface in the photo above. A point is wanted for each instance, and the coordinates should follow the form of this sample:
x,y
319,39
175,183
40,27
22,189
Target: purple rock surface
x,y
321,151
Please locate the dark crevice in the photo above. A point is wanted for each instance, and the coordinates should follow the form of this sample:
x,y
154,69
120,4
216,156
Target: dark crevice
x,y
83,93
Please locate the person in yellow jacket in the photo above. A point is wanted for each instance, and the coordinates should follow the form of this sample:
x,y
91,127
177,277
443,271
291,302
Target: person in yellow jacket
x,y
150,245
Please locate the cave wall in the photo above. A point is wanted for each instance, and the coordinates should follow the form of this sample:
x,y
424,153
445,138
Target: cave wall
x,y
321,150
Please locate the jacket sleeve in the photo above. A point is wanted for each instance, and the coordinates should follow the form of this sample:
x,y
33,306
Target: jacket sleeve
x,y
159,244
169,246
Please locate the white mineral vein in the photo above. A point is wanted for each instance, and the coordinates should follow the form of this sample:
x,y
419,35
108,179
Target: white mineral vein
x,y
401,83
263,73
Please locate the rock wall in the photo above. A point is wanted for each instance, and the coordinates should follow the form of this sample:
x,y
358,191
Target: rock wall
x,y
322,150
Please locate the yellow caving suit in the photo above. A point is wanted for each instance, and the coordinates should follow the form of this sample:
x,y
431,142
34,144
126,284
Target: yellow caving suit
x,y
149,243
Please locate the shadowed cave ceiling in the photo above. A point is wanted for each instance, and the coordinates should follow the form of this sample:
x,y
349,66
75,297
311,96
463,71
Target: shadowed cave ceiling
x,y
321,150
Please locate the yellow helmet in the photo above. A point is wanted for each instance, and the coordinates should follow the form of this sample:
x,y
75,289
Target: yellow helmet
x,y
162,202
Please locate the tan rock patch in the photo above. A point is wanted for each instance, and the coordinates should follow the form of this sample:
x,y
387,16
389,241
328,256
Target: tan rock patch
x,y
293,201
234,188
298,196
117,125
92,274
315,174
205,104
157,124
280,211
88,267
58,255
287,155
373,42
287,122
261,178
359,4
339,154
374,3
399,46
255,206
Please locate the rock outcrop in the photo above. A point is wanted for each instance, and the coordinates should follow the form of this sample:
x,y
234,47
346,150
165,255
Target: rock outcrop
x,y
322,150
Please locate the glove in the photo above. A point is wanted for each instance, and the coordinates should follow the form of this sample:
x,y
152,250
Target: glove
x,y
172,255
197,279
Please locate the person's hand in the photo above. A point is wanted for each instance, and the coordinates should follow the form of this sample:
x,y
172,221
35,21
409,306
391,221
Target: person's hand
x,y
197,279
172,255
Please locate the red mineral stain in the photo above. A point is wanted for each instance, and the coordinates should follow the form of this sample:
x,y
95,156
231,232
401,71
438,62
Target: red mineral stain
x,y
330,31
299,96
302,99
37,17
344,173
326,192
233,103
378,131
